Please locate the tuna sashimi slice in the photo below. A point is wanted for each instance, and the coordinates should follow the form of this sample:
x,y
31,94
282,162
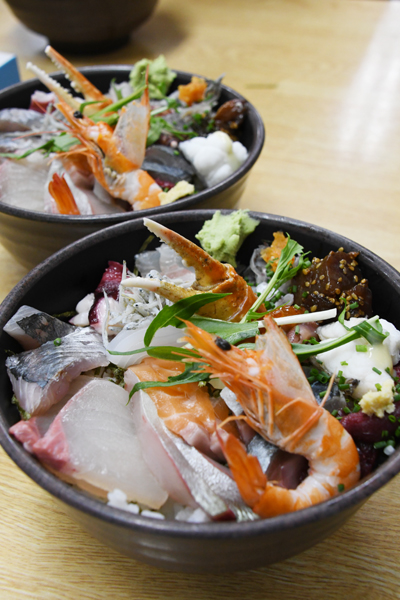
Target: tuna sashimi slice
x,y
93,440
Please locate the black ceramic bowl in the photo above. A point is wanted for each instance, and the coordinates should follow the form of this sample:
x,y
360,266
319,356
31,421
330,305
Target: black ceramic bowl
x,y
83,26
59,282
32,236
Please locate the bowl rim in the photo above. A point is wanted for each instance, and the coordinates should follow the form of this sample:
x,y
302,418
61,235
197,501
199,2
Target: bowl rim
x,y
104,220
81,501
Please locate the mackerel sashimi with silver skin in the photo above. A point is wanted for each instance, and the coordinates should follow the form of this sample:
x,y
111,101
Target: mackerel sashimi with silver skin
x,y
221,421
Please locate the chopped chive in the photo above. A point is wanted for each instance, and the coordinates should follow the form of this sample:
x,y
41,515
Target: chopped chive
x,y
397,432
344,363
392,418
377,370
340,373
379,445
343,386
305,294
396,397
354,305
378,387
356,408
294,289
340,487
296,306
334,413
385,433
297,329
322,394
388,370
346,410
390,443
361,348
57,342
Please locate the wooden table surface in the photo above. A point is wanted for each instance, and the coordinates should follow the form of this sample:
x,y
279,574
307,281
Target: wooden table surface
x,y
325,76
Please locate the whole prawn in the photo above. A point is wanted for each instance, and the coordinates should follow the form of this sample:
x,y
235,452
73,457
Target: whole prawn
x,y
279,404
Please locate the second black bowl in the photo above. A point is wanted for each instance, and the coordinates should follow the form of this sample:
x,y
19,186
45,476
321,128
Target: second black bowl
x,y
33,236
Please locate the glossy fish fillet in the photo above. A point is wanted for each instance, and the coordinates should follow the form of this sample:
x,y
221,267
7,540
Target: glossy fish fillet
x,y
188,476
185,409
93,440
32,328
41,377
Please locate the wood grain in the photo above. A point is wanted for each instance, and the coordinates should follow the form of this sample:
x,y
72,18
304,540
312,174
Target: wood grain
x,y
325,76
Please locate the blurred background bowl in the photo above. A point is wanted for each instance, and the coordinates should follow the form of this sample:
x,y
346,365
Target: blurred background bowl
x,y
60,282
83,26
33,236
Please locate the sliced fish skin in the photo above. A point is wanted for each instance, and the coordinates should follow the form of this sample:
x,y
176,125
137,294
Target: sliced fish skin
x,y
22,182
162,162
187,475
21,119
93,440
41,327
42,376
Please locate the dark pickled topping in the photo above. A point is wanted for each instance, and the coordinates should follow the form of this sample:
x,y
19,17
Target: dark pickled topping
x,y
287,470
368,458
223,344
332,282
163,162
229,116
369,428
109,284
78,114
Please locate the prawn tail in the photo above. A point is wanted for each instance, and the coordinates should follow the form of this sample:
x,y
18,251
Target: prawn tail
x,y
62,195
245,468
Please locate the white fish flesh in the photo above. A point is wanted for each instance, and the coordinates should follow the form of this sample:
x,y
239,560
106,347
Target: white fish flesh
x,y
32,430
21,119
32,328
93,440
41,377
22,182
167,263
133,339
189,477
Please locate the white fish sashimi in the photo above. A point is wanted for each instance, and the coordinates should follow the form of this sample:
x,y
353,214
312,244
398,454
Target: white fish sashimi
x,y
31,431
133,339
16,331
93,440
32,328
167,263
41,377
22,182
189,477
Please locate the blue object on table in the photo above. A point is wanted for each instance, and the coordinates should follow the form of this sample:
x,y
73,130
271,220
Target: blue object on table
x,y
8,70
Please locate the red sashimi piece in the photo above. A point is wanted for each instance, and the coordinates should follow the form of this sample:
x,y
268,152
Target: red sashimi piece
x,y
110,285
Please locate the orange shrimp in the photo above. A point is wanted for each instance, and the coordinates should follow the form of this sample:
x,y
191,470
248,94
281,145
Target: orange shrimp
x,y
64,199
186,409
211,276
279,404
114,155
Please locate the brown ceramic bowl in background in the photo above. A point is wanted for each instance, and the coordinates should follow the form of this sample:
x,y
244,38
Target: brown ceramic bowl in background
x,y
83,26
60,282
32,236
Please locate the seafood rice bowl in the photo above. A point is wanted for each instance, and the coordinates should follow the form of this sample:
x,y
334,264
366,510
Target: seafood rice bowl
x,y
258,408
71,164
